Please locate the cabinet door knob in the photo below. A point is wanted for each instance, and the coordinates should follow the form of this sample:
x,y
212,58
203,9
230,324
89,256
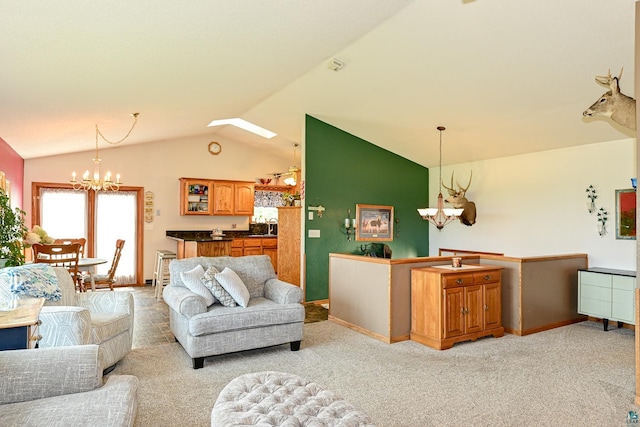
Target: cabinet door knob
x,y
39,322
487,277
486,307
36,338
459,281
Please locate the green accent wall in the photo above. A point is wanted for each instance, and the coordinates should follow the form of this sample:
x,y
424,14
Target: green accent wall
x,y
342,170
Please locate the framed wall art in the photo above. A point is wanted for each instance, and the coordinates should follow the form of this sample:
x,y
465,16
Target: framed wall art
x,y
374,223
626,214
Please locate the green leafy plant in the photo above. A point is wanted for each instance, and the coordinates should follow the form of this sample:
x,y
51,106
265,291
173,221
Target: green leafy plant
x,y
12,230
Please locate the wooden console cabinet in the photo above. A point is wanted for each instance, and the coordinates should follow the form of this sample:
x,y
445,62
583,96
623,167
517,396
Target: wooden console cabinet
x,y
607,294
449,305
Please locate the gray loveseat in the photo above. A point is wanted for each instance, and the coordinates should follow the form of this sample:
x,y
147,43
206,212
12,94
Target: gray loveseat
x,y
273,316
63,386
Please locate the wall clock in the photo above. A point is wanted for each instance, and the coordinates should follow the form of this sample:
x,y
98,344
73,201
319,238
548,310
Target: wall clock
x,y
215,148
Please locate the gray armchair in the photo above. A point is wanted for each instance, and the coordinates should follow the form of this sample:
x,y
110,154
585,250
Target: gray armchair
x,y
62,386
103,318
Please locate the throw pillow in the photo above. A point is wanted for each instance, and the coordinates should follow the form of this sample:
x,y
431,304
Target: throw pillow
x,y
192,280
216,289
234,285
33,280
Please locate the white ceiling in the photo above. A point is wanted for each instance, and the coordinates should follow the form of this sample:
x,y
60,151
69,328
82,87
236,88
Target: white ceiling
x,y
504,76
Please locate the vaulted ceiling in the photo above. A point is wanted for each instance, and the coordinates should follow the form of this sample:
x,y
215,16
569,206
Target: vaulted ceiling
x,y
505,77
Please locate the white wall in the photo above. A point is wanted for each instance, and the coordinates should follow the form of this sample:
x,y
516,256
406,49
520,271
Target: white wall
x,y
535,204
157,167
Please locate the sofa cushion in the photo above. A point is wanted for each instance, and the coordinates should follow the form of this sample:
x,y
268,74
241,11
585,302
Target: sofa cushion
x,y
105,326
193,281
260,312
254,270
209,280
234,285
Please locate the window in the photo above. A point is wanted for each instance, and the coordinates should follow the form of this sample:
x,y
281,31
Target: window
x,y
101,218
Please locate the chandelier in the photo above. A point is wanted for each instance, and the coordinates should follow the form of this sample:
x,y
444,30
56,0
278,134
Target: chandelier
x,y
291,176
95,182
440,216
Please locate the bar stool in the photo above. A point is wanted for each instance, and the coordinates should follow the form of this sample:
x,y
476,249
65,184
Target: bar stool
x,y
161,271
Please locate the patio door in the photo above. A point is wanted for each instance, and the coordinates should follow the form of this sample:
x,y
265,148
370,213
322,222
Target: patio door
x,y
101,218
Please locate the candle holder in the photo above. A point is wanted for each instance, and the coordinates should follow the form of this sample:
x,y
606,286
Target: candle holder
x,y
350,226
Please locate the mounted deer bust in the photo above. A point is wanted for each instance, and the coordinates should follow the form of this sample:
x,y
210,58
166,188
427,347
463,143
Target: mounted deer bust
x,y
614,104
458,200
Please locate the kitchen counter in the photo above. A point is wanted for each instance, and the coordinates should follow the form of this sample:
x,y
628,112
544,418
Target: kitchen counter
x,y
201,243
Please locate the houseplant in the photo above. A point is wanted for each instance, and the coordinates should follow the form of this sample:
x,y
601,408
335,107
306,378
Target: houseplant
x,y
290,198
12,230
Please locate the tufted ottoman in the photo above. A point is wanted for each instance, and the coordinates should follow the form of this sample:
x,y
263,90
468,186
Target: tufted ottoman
x,y
280,399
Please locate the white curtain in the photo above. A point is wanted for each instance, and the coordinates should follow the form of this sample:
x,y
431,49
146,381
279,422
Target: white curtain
x,y
116,219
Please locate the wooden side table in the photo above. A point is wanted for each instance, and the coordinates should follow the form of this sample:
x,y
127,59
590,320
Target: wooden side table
x,y
19,327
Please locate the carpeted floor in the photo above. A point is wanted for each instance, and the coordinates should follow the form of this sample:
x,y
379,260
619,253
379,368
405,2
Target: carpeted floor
x,y
576,375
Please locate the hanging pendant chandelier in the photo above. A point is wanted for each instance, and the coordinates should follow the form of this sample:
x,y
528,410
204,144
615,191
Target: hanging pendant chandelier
x,y
440,216
96,182
292,174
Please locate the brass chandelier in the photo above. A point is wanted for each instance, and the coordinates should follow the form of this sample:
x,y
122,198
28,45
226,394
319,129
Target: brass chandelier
x,y
440,216
96,182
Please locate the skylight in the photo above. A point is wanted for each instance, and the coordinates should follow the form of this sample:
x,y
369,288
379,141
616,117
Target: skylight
x,y
243,124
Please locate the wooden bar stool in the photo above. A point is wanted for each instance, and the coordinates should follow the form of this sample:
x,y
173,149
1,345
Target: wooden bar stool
x,y
161,271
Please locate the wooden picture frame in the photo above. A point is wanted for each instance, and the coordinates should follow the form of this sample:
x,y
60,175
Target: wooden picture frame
x,y
626,214
374,223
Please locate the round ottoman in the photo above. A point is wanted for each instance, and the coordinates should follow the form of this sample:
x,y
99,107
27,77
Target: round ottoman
x,y
280,399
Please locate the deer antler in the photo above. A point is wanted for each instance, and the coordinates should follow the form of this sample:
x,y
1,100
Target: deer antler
x,y
451,191
607,80
464,190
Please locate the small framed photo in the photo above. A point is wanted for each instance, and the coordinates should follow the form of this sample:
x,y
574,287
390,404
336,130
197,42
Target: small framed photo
x,y
374,223
626,214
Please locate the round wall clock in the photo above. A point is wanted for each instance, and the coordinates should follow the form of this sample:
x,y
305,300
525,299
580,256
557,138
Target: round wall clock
x,y
215,148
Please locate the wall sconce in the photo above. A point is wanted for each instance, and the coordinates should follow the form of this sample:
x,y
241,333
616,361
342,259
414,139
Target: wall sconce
x,y
350,226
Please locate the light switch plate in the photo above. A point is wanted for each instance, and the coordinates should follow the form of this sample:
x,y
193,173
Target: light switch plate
x,y
314,233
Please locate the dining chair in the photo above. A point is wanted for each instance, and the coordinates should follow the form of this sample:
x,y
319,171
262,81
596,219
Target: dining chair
x,y
82,242
109,278
60,255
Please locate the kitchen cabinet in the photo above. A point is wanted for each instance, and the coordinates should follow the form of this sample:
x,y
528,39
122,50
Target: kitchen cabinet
x,y
449,305
256,246
607,294
233,198
195,196
289,223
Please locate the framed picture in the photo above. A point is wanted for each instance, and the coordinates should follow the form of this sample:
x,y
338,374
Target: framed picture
x,y
374,223
626,214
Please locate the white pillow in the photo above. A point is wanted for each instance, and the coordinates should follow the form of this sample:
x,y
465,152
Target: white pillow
x,y
233,284
192,280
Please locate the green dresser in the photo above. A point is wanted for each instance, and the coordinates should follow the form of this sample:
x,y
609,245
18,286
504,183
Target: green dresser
x,y
607,294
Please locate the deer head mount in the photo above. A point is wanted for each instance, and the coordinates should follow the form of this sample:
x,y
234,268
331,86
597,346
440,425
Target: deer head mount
x,y
459,200
614,104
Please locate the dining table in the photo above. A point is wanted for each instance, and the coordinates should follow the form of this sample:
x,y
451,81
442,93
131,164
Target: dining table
x,y
89,265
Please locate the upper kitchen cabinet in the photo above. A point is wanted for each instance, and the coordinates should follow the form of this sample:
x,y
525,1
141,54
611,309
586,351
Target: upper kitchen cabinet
x,y
195,196
233,198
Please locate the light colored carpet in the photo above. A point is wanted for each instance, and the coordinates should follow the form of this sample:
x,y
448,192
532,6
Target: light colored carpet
x,y
569,376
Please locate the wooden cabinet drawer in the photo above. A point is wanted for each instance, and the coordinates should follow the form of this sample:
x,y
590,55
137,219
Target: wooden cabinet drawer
x,y
251,243
457,280
489,277
270,243
236,243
